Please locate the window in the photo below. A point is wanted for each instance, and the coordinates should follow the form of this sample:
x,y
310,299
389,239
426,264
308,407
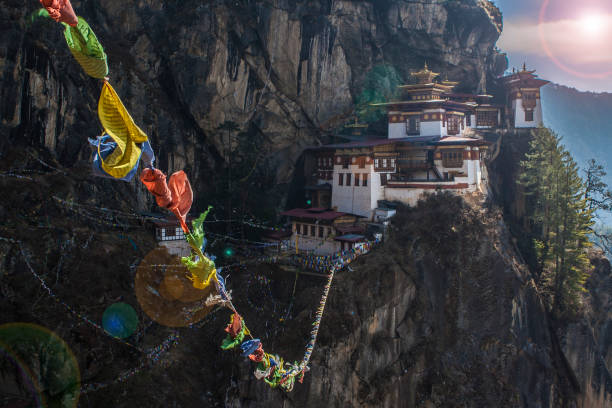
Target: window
x,y
341,179
413,125
529,116
348,179
357,180
384,163
320,232
361,161
452,158
376,163
298,229
486,118
383,179
170,232
468,120
313,230
364,179
452,122
392,162
345,162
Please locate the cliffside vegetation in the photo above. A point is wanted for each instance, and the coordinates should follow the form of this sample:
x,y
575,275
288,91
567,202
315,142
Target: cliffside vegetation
x,y
561,209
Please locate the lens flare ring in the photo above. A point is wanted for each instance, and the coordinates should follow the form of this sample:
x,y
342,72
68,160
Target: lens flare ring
x,y
553,57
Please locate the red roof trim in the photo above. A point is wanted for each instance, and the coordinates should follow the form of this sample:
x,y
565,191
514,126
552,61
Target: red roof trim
x,y
458,186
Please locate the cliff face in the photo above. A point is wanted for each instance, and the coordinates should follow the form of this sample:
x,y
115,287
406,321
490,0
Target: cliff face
x,y
445,314
283,70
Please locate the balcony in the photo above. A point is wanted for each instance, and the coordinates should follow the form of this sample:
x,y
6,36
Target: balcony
x,y
406,178
410,164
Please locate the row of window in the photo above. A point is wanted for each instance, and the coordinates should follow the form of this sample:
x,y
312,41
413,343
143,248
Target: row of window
x,y
344,179
384,163
454,123
305,229
452,158
325,162
170,232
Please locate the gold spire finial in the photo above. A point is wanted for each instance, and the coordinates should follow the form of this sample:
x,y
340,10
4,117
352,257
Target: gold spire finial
x,y
424,76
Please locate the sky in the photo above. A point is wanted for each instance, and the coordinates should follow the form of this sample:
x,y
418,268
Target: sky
x,y
567,41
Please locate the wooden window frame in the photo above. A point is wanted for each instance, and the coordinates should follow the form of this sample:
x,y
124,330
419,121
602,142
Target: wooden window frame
x,y
348,179
313,231
356,179
452,124
340,179
383,179
486,118
364,179
413,125
452,159
320,232
529,116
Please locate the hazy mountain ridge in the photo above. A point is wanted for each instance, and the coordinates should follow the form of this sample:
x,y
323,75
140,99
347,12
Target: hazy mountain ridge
x,y
583,119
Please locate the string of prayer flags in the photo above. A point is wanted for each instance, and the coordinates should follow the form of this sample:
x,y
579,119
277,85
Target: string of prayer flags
x,y
86,49
60,11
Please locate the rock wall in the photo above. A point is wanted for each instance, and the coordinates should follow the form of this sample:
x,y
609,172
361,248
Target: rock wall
x,y
285,70
445,314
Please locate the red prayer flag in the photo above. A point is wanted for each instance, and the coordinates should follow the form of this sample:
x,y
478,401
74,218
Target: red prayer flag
x,y
61,11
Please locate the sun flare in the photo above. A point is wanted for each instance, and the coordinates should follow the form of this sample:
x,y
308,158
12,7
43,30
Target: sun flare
x,y
592,24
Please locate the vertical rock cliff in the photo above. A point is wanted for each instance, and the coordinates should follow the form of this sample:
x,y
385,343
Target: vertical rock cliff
x,y
282,70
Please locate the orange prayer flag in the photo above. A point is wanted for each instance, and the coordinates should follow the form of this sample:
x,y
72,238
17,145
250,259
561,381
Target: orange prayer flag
x,y
176,195
61,11
182,197
155,181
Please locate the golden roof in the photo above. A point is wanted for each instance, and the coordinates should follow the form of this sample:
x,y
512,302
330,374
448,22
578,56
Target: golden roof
x,y
424,76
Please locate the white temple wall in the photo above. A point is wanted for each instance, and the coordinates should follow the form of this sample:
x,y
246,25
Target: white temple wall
x,y
397,130
355,199
408,196
180,247
377,190
319,246
519,114
433,129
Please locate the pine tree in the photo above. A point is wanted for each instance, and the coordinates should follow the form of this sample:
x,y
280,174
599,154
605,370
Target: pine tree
x,y
599,199
561,220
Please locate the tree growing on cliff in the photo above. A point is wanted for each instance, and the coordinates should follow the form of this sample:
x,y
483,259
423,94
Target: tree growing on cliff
x,y
599,199
561,220
380,85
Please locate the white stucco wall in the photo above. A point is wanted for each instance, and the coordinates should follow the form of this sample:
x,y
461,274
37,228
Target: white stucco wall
x,y
433,129
397,130
319,246
519,114
180,247
360,200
